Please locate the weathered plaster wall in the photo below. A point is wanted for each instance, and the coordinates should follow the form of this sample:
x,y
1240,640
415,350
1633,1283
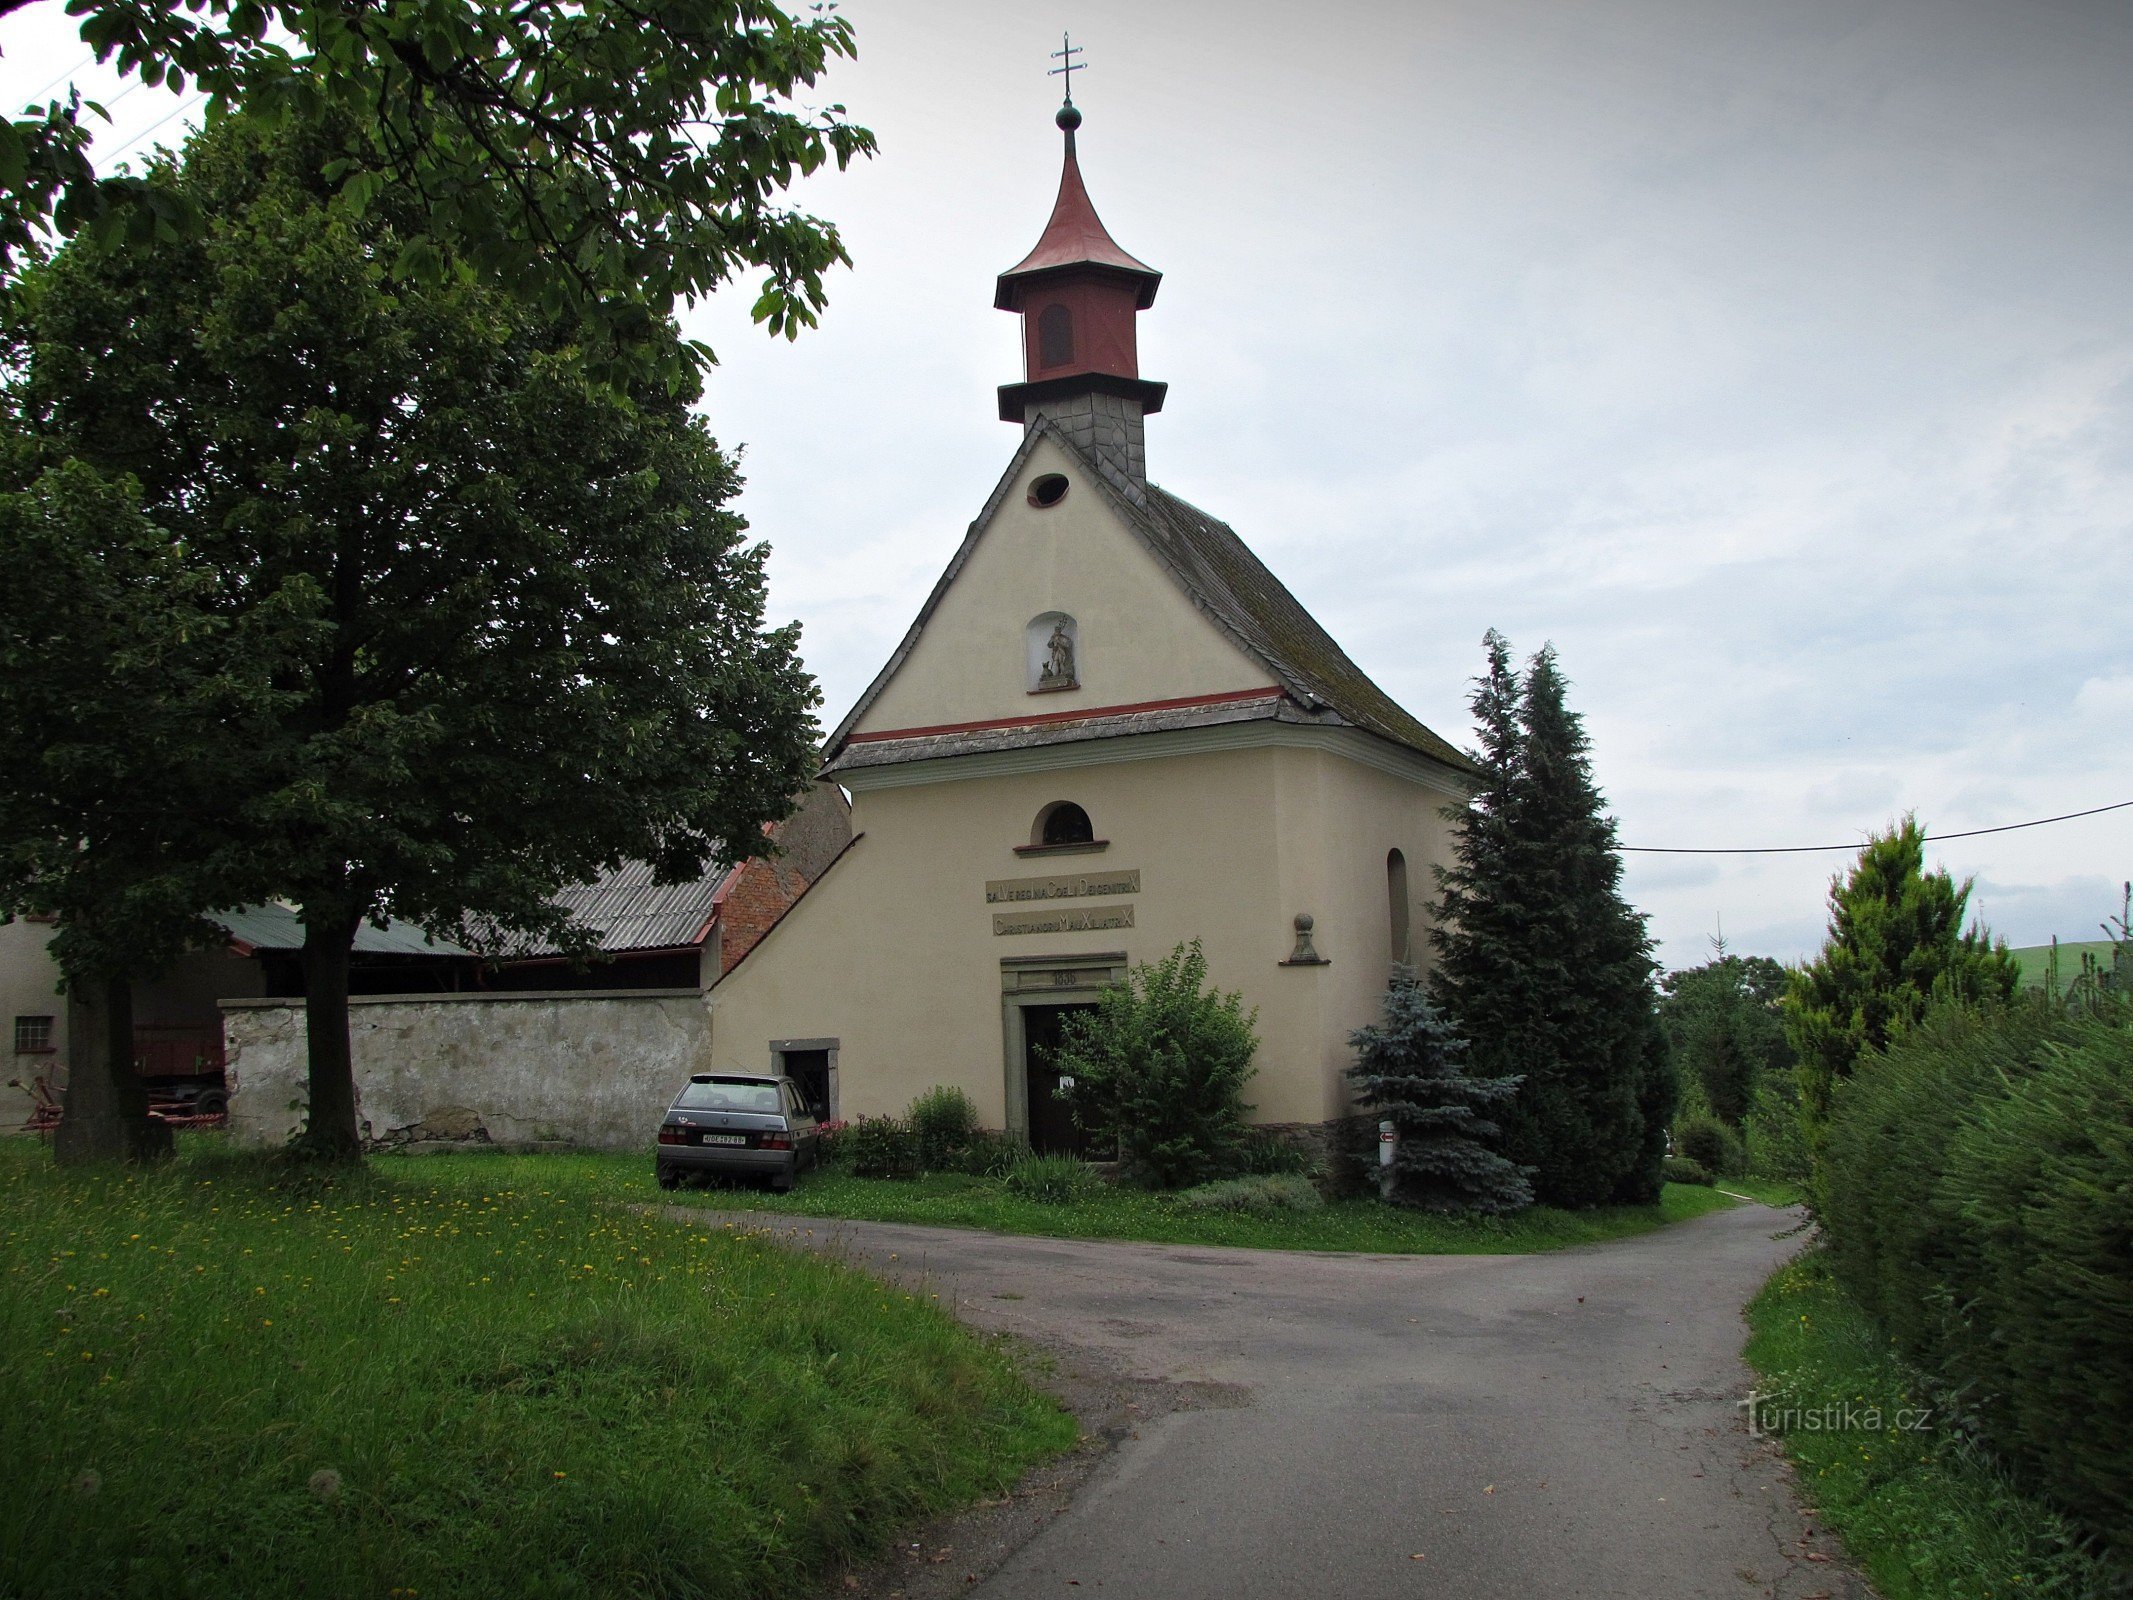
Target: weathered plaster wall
x,y
1141,637
893,952
810,838
593,1069
1339,821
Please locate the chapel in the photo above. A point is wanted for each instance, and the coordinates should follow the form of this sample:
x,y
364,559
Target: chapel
x,y
1110,730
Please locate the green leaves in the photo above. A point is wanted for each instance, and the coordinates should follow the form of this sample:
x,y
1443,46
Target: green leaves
x,y
1722,1024
559,147
457,624
126,713
1161,1063
1977,1184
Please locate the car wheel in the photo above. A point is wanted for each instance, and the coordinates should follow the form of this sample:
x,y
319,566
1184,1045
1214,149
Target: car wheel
x,y
669,1177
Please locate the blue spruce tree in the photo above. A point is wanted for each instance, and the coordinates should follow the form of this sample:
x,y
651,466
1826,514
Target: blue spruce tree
x,y
1410,1070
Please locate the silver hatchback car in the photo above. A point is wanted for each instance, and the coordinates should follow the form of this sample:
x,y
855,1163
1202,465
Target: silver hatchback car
x,y
737,1125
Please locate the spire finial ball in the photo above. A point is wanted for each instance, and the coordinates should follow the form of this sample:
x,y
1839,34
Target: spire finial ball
x,y
1069,117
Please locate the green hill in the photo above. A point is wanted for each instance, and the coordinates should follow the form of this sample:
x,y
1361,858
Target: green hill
x,y
2036,960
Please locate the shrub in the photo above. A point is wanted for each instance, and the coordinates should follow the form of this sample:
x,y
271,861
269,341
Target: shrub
x,y
990,1154
1269,1194
1266,1154
1680,1169
1053,1180
944,1122
1776,1144
877,1147
1978,1196
1710,1144
1160,1064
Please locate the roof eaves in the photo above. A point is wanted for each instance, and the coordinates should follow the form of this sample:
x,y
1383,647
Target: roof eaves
x,y
984,741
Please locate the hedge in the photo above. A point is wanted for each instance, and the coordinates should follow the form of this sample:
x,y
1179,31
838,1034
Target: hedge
x,y
1977,1191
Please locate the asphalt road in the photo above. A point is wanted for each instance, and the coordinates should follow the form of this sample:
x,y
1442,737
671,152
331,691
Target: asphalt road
x,y
1360,1426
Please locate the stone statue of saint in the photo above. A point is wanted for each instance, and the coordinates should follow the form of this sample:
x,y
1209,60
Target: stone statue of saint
x,y
1058,669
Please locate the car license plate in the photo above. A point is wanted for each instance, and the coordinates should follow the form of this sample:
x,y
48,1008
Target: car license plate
x,y
722,1138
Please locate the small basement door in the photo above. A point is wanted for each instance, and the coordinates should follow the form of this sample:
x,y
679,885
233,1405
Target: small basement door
x,y
810,1073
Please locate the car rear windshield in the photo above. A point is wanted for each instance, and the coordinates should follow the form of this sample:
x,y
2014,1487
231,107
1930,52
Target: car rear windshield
x,y
731,1094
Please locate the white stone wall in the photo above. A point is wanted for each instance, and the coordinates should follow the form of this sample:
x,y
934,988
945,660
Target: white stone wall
x,y
591,1069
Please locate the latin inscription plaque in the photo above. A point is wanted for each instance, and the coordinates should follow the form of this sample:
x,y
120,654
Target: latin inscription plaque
x,y
1062,920
1071,886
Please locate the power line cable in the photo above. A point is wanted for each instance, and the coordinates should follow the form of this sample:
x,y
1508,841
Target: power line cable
x,y
1807,849
62,78
182,106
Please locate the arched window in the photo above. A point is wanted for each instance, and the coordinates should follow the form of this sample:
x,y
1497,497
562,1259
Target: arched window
x,y
1396,905
1055,336
1063,822
1052,652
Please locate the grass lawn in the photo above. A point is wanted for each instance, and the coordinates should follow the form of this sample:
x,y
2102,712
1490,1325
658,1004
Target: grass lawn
x,y
953,1200
457,1378
1771,1191
1926,1515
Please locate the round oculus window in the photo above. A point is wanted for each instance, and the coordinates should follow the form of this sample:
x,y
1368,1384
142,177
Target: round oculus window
x,y
1048,490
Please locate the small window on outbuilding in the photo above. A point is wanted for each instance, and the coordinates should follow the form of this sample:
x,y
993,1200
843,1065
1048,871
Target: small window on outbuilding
x,y
1063,822
33,1036
1055,336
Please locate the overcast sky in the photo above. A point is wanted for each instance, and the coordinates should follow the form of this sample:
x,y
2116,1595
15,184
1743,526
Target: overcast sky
x,y
1773,360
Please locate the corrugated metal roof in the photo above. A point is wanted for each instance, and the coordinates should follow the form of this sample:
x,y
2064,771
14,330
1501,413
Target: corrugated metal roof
x,y
275,927
632,912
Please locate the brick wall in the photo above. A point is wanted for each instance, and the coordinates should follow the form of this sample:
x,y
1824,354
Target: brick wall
x,y
756,899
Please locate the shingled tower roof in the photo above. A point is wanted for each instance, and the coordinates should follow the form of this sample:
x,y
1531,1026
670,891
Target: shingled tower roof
x,y
1074,237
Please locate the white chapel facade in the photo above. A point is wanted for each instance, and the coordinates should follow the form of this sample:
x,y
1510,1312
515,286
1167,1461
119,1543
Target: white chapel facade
x,y
1110,730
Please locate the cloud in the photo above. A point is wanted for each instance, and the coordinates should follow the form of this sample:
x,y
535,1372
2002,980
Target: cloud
x,y
1775,363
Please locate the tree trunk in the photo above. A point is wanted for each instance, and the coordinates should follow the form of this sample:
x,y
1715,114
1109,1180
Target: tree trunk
x,y
105,1112
330,1133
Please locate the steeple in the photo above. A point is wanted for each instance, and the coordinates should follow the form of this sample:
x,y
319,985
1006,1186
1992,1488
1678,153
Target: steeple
x,y
1078,295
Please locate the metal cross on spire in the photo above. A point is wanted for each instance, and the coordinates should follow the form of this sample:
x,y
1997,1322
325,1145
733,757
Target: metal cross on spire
x,y
1066,53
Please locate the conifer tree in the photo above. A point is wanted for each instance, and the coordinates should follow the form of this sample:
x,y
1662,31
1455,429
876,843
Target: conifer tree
x,y
1540,962
1896,942
1722,1023
1410,1070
